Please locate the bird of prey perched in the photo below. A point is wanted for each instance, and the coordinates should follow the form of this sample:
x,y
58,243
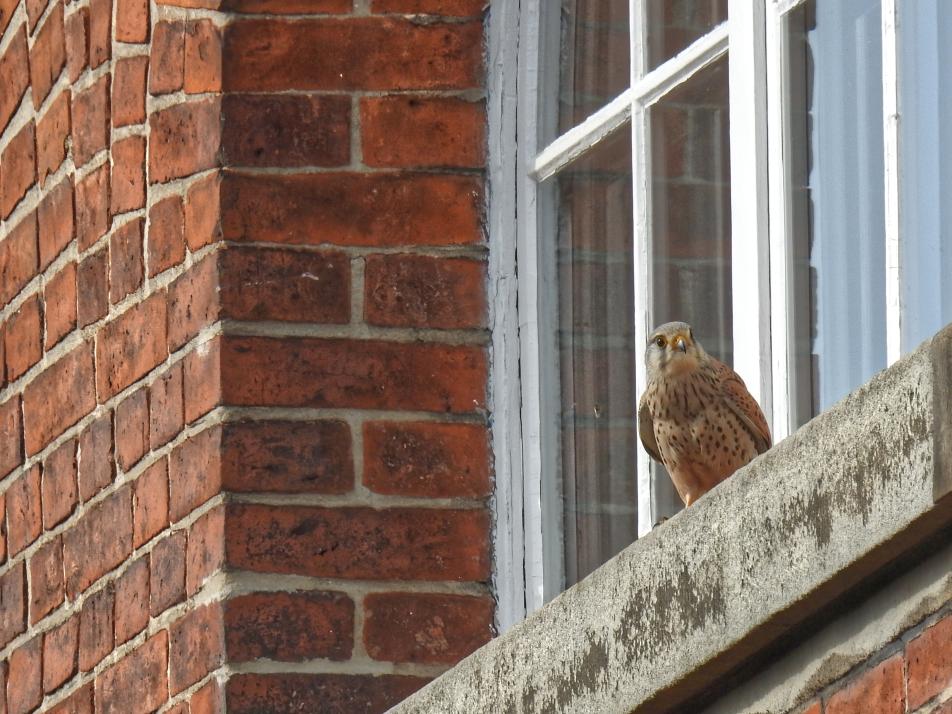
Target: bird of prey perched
x,y
696,415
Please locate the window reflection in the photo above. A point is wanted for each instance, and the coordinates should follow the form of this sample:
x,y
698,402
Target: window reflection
x,y
675,24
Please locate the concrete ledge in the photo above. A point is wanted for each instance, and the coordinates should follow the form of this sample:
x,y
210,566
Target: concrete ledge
x,y
739,572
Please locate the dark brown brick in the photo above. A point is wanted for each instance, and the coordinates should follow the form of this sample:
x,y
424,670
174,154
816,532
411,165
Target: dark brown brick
x,y
126,268
11,435
13,599
58,398
92,287
60,654
289,627
24,517
26,677
196,646
286,130
167,573
47,585
166,407
58,484
130,346
427,459
253,693
96,628
284,285
132,601
287,457
352,209
184,139
79,702
359,543
193,302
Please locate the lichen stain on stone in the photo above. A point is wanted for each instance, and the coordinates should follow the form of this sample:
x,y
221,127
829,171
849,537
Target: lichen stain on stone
x,y
587,672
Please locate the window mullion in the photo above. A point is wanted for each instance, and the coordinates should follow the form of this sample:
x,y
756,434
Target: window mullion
x,y
891,149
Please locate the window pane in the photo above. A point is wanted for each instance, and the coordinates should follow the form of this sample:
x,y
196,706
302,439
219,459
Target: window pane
x,y
595,57
835,160
675,24
926,153
597,352
691,222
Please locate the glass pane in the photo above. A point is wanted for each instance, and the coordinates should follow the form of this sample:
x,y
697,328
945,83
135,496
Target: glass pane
x,y
675,24
595,57
926,153
597,353
691,222
835,160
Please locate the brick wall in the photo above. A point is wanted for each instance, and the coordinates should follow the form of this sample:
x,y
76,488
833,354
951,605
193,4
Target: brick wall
x,y
244,460
912,675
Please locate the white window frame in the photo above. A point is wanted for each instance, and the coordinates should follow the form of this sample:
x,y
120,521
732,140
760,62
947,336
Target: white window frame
x,y
526,570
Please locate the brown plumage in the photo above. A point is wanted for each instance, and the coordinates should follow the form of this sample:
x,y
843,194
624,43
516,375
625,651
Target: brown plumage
x,y
696,415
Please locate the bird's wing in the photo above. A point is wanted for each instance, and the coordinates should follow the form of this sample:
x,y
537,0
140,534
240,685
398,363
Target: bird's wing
x,y
646,429
743,405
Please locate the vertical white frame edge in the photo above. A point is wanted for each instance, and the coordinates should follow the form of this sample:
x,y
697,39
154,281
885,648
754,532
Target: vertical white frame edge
x,y
750,254
891,161
505,399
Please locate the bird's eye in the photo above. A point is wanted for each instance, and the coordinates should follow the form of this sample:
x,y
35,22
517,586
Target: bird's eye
x,y
659,341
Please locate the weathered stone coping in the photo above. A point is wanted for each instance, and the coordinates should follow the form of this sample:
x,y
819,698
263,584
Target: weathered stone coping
x,y
742,570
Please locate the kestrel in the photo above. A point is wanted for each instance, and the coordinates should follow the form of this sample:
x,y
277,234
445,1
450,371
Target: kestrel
x,y
696,415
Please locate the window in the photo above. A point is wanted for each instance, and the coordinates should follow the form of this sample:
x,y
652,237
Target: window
x,y
738,165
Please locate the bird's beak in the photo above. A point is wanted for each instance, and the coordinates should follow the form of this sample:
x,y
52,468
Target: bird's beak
x,y
681,345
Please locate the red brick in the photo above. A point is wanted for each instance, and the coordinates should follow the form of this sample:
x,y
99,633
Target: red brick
x,y
132,429
458,8
77,47
184,139
289,627
48,55
426,628
166,410
253,693
79,702
96,463
167,63
929,658
352,209
24,517
34,11
166,235
3,531
47,587
100,35
202,57
151,510
426,459
287,457
167,573
423,131
196,646
92,286
126,268
23,338
55,220
14,73
359,53
99,542
202,380
879,690
128,90
95,628
11,436
205,553
59,299
51,135
127,191
286,130
58,484
90,117
207,700
58,398
202,214
363,374
284,285
60,654
19,258
132,601
194,472
13,599
359,543
92,206
19,169
130,346
138,682
193,302
274,7
26,677
132,21
418,291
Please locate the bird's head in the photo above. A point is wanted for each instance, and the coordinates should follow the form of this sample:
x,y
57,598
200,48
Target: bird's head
x,y
672,350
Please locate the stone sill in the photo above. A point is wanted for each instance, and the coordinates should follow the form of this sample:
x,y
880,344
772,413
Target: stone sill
x,y
726,582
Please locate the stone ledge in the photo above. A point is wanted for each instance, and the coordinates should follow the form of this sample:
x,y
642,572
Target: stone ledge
x,y
739,572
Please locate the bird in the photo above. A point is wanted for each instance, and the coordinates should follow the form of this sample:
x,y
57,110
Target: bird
x,y
696,416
